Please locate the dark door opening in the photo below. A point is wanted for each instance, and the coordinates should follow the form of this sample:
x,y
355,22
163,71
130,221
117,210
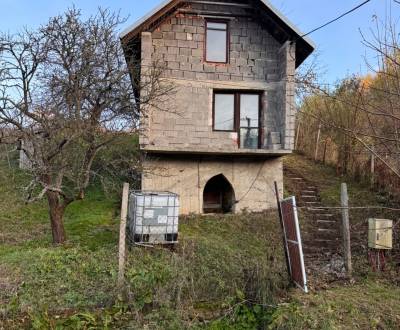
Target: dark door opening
x,y
218,196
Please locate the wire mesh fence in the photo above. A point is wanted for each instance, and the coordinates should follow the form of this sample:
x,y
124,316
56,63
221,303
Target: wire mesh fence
x,y
322,231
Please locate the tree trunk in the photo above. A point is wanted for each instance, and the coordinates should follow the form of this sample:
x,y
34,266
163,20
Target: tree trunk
x,y
56,211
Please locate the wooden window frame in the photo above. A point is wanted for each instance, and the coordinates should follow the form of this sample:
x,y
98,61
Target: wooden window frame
x,y
227,92
236,113
216,20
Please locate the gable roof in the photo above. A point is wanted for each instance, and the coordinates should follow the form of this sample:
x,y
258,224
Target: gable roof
x,y
305,46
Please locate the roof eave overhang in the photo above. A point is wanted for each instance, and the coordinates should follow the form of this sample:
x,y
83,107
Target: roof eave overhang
x,y
137,26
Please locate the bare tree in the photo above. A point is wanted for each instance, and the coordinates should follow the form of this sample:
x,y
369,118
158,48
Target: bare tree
x,y
362,114
66,93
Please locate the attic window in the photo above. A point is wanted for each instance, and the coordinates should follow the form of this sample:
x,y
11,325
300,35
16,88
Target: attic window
x,y
216,41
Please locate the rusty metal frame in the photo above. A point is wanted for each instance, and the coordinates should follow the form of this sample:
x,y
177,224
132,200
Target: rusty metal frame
x,y
297,242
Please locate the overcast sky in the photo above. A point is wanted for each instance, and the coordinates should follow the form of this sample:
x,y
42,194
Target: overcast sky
x,y
339,45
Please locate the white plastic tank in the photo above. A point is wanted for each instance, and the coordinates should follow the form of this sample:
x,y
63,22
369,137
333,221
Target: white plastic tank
x,y
153,217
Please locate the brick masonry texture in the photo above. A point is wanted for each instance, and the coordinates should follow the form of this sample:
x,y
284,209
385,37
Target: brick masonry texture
x,y
257,61
179,45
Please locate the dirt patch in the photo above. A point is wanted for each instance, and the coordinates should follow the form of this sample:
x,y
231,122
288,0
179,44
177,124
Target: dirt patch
x,y
13,235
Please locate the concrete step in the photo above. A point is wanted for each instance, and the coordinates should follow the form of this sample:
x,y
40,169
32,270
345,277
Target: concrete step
x,y
331,226
316,251
331,242
333,237
329,231
321,239
321,221
314,204
325,242
308,191
324,215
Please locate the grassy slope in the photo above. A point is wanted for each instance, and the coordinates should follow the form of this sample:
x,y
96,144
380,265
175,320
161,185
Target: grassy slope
x,y
326,178
39,275
372,302
369,304
220,263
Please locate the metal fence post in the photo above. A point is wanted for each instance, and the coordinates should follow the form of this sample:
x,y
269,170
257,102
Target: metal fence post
x,y
346,228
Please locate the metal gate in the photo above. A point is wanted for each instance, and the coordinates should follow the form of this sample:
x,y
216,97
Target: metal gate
x,y
293,244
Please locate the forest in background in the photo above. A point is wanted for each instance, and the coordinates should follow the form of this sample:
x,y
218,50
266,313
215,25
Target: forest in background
x,y
355,124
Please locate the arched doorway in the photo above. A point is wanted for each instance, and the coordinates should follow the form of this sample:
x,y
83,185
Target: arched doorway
x,y
218,195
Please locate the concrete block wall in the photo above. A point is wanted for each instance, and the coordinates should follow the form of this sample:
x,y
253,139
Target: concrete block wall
x,y
286,95
187,176
257,62
191,127
179,45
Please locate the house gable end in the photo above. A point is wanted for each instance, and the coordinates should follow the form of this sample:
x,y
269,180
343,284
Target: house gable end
x,y
274,22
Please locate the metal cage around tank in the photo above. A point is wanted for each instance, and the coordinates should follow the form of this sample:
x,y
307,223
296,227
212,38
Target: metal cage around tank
x,y
153,217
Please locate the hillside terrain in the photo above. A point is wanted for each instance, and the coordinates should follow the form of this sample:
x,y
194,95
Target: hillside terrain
x,y
228,272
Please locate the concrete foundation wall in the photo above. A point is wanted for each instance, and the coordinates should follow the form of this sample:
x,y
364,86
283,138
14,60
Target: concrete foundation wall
x,y
251,179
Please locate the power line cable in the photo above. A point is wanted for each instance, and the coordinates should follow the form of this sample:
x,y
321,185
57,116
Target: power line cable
x,y
336,19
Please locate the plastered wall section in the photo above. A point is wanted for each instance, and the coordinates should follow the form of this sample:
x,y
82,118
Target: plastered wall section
x,y
252,180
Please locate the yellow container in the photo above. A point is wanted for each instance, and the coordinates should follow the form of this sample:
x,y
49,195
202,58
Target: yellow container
x,y
380,234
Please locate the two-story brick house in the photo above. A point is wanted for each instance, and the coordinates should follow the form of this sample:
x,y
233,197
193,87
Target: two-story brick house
x,y
232,64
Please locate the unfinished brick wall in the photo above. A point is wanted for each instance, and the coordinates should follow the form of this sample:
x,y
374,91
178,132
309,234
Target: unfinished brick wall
x,y
286,94
179,45
257,62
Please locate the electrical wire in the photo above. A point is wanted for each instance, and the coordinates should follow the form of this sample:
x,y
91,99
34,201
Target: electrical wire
x,y
252,184
336,19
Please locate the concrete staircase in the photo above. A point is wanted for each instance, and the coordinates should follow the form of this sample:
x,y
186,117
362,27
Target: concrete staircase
x,y
320,228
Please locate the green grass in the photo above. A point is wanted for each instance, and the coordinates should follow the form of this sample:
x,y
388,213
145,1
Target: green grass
x,y
219,262
370,304
227,272
36,275
326,178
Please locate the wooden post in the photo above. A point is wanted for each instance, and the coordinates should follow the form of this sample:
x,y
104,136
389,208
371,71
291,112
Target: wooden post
x,y
122,235
296,144
317,143
346,229
278,200
7,156
325,147
372,169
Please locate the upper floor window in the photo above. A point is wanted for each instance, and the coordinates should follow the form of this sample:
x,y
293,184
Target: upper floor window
x,y
224,111
239,111
217,41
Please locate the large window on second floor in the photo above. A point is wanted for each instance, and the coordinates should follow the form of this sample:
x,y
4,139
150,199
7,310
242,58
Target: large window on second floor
x,y
224,111
217,38
239,111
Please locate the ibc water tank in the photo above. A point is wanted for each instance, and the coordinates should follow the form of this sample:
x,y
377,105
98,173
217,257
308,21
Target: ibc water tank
x,y
153,217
